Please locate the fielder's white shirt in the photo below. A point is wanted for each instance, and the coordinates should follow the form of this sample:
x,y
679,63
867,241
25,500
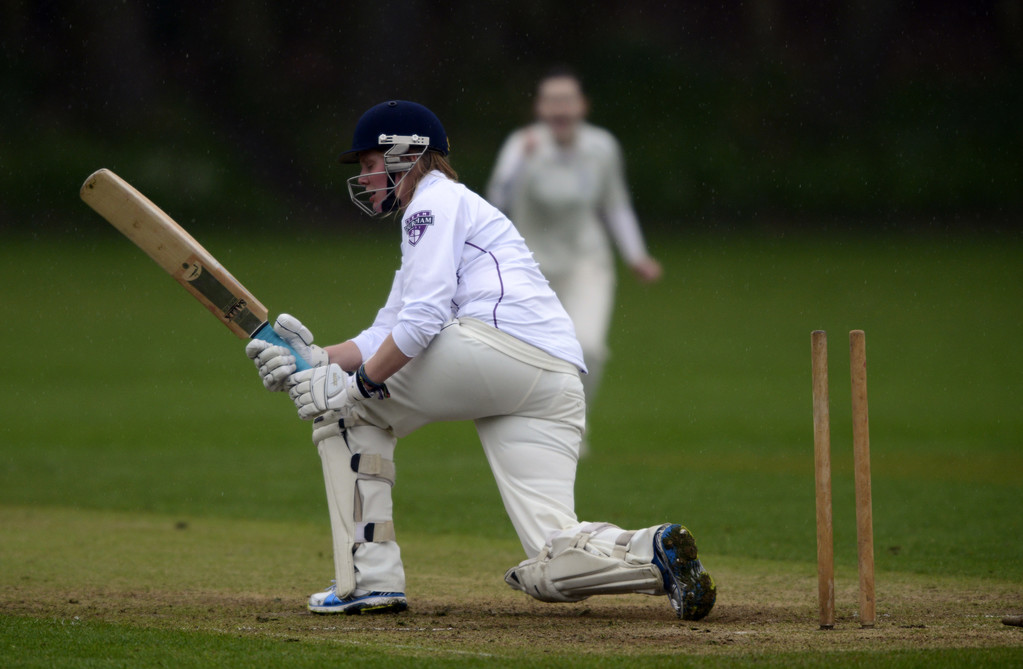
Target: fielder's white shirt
x,y
565,200
461,257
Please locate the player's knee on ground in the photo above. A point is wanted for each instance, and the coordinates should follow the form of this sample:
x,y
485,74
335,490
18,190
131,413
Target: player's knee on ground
x,y
570,568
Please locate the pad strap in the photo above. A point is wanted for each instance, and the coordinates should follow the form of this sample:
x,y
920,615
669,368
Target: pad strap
x,y
589,530
622,545
326,426
374,532
373,466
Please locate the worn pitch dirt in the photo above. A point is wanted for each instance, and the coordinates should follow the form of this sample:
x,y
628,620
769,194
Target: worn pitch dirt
x,y
755,614
250,579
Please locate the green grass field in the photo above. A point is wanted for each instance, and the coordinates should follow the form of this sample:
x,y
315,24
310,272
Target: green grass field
x,y
159,508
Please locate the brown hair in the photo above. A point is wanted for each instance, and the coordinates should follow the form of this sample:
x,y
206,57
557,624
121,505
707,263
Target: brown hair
x,y
561,72
428,162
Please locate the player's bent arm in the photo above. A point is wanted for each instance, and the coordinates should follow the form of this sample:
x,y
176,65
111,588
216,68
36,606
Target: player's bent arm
x,y
346,355
386,361
327,388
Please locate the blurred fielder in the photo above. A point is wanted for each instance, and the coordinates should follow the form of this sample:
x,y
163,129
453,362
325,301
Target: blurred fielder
x,y
562,181
470,331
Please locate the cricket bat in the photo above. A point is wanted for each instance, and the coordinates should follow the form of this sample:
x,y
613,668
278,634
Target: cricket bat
x,y
181,256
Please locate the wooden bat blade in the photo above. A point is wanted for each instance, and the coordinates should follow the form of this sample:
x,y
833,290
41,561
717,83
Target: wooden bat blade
x,y
138,219
176,251
181,256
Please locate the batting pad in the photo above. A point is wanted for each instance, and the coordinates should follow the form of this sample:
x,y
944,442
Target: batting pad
x,y
570,569
341,495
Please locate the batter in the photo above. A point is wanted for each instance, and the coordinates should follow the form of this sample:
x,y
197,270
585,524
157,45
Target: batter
x,y
470,331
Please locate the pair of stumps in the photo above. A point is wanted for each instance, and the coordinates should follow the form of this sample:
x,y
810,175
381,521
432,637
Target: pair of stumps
x,y
861,467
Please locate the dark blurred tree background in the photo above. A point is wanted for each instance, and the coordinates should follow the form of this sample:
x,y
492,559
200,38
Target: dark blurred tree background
x,y
768,113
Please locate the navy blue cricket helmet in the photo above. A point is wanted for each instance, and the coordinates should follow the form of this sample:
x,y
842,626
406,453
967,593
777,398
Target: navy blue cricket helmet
x,y
395,117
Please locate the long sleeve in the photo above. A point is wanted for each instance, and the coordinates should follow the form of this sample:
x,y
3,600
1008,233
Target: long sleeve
x,y
617,212
507,171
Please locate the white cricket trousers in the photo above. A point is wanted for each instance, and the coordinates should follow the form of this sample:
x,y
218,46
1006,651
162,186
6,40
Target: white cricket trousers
x,y
529,412
587,290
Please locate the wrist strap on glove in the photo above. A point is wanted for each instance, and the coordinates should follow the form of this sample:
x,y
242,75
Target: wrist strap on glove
x,y
369,388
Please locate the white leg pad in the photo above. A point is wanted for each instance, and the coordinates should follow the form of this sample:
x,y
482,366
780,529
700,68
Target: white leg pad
x,y
340,481
570,569
342,471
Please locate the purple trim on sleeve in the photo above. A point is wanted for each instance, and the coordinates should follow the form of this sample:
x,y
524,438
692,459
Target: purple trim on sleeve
x,y
500,280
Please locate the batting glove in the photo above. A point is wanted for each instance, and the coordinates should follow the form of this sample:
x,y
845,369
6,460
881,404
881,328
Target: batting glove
x,y
276,363
323,389
316,391
300,338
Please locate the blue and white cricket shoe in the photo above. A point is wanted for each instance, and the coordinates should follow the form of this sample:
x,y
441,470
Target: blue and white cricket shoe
x,y
689,586
358,602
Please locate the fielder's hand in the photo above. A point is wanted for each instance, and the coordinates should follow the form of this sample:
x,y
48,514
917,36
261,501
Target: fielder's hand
x,y
275,363
648,270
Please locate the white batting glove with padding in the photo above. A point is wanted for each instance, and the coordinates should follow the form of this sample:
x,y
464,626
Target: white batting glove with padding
x,y
316,391
300,338
268,360
276,363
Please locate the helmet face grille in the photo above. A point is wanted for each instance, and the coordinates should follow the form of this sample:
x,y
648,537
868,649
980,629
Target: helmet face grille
x,y
402,153
361,194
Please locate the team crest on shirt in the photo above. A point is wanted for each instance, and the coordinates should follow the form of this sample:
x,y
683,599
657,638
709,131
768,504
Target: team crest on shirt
x,y
416,225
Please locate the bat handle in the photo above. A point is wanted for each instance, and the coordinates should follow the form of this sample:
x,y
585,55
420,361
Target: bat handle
x,y
267,334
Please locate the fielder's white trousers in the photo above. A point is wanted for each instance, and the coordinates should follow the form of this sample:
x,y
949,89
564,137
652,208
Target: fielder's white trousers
x,y
587,289
529,412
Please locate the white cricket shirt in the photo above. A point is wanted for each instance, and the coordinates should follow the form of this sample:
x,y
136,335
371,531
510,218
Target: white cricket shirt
x,y
461,257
